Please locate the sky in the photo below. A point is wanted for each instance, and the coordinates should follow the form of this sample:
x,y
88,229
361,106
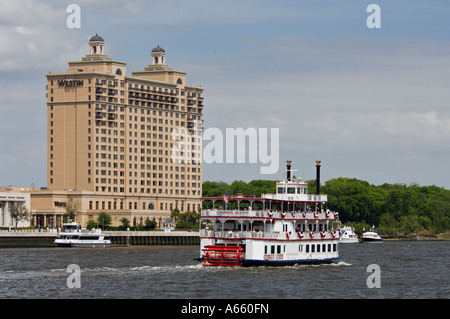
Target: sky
x,y
370,103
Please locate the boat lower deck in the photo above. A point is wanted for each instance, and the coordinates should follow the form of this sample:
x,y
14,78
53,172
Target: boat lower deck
x,y
220,252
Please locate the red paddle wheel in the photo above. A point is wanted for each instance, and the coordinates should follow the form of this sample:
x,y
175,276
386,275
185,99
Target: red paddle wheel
x,y
221,255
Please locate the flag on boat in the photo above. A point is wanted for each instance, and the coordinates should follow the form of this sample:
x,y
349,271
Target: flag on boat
x,y
225,197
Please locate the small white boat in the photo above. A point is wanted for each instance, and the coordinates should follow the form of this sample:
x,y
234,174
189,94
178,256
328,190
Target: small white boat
x,y
371,236
348,236
74,236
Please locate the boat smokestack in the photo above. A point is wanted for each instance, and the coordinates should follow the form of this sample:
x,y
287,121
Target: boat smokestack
x,y
288,170
318,177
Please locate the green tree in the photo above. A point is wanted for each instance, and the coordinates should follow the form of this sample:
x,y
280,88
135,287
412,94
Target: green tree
x,y
91,224
18,212
355,200
175,214
240,187
125,223
150,224
104,220
262,187
71,211
188,220
410,224
214,189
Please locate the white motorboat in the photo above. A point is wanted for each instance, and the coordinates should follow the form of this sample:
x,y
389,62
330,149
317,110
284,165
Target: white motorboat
x,y
348,235
74,236
371,236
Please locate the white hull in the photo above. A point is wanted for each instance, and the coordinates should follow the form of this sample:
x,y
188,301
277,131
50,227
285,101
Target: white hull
x,y
372,236
349,241
372,240
82,243
281,252
348,236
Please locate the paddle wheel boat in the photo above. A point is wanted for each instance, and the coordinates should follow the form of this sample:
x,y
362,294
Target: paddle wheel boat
x,y
286,228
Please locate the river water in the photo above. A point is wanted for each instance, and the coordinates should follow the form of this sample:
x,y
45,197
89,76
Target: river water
x,y
416,269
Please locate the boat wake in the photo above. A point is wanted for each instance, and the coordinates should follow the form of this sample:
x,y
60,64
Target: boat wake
x,y
27,274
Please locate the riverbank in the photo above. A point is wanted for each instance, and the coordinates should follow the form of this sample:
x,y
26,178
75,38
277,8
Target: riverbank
x,y
31,238
419,236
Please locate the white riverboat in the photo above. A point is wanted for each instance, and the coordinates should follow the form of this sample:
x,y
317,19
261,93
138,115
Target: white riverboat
x,y
371,236
286,228
74,236
348,236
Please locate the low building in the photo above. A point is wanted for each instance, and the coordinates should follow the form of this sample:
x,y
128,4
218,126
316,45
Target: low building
x,y
9,196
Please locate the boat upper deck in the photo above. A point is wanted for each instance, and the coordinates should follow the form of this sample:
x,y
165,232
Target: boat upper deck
x,y
268,214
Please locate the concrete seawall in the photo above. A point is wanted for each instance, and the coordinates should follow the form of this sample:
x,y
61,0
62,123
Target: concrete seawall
x,y
154,238
11,239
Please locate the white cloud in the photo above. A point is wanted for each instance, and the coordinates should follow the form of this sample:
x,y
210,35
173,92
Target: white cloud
x,y
366,104
382,105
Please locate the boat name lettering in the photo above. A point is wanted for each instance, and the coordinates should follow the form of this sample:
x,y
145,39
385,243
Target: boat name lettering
x,y
235,212
273,256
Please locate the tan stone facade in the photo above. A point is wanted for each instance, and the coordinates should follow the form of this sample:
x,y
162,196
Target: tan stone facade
x,y
113,141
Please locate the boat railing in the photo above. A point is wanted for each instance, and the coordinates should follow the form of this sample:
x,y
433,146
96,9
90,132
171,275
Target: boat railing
x,y
297,197
268,214
238,234
313,235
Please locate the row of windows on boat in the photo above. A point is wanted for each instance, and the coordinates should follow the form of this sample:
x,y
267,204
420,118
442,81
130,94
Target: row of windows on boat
x,y
279,249
84,237
259,226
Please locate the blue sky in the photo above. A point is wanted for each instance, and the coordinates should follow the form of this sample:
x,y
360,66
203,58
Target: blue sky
x,y
370,103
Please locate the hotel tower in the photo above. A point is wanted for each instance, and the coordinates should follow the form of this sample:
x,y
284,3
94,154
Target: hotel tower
x,y
129,146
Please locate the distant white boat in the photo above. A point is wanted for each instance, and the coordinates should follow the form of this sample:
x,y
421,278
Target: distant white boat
x,y
74,236
348,236
371,236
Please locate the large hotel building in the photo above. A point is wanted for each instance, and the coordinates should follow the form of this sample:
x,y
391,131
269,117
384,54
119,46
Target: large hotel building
x,y
129,146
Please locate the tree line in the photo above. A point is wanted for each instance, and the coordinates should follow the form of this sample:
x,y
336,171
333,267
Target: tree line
x,y
393,208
